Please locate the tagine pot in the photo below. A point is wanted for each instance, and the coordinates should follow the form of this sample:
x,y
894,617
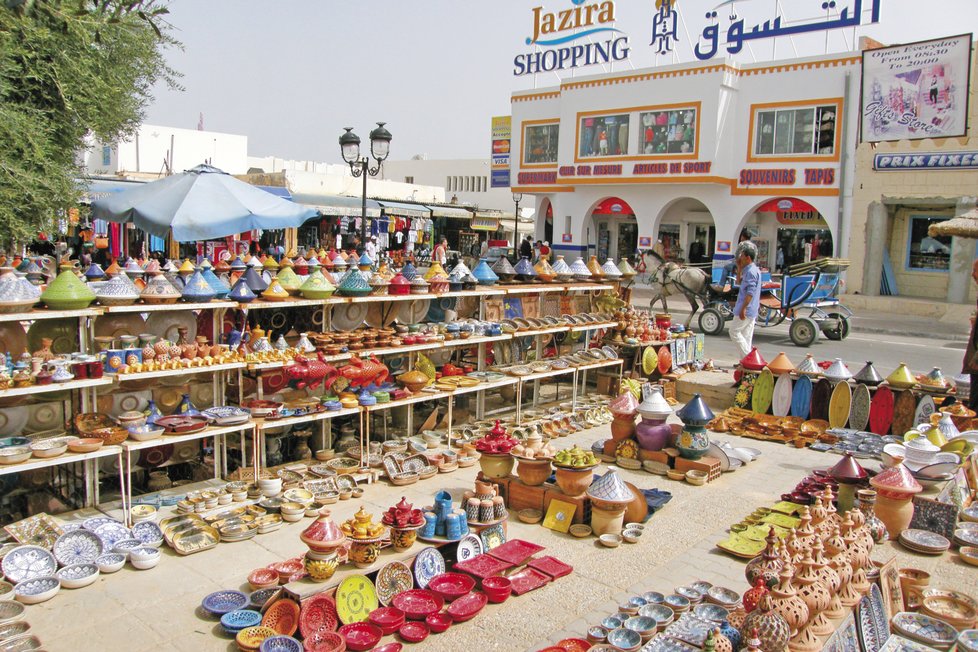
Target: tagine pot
x,y
895,489
837,371
67,292
901,378
868,375
496,466
780,364
753,360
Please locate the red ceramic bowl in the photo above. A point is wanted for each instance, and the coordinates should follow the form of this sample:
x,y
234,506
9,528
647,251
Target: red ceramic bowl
x,y
467,606
497,588
438,622
324,641
390,647
417,604
451,585
360,636
413,632
389,619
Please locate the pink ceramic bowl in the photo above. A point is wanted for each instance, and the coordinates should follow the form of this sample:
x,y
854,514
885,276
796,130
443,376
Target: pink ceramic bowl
x,y
497,588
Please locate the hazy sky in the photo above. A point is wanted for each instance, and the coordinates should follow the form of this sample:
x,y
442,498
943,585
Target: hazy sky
x,y
291,75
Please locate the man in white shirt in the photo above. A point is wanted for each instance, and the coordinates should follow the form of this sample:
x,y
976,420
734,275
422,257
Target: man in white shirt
x,y
371,247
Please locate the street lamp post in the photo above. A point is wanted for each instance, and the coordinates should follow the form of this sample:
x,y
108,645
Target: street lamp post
x,y
380,144
517,197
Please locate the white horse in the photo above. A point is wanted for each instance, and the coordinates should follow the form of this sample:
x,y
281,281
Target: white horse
x,y
672,279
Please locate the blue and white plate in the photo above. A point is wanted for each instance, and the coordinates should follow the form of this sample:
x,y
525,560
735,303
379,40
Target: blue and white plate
x,y
78,575
427,564
112,532
77,547
28,562
469,546
38,589
221,602
92,524
148,532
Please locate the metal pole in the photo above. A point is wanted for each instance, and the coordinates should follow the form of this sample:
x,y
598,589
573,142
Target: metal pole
x,y
363,208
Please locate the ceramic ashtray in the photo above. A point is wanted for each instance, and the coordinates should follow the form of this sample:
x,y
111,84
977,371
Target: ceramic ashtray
x,y
631,536
610,540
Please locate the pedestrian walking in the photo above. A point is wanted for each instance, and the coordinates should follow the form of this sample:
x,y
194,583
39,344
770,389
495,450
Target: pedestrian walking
x,y
526,248
440,254
970,364
748,298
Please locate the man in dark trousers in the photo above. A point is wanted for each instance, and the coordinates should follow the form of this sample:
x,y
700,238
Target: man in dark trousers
x,y
526,248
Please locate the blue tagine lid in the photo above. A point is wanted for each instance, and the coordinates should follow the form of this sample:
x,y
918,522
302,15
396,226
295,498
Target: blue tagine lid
x,y
525,269
94,272
198,289
241,292
365,260
696,412
484,274
238,264
408,271
220,288
254,280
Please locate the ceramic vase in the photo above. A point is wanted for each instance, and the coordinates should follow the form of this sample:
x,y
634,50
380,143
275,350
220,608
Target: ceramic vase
x,y
622,427
403,539
496,466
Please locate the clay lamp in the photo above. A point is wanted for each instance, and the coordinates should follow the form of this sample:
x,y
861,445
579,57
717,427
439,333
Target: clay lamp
x,y
868,375
780,364
696,413
848,473
753,360
901,378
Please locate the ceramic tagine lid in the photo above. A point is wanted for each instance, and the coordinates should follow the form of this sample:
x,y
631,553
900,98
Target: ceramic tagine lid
x,y
897,481
271,264
848,470
611,270
238,264
117,291
301,268
837,371
365,262
808,366
241,292
462,268
220,288
353,284
133,269
934,379
654,405
901,378
17,293
222,267
627,271
456,280
544,271
159,290
419,285
868,375
780,364
316,286
94,272
399,285
595,267
197,289
408,271
580,270
753,360
484,274
113,268
289,280
625,405
696,412
67,292
504,269
274,292
254,280
323,534
434,270
562,269
525,269
610,488
947,427
187,268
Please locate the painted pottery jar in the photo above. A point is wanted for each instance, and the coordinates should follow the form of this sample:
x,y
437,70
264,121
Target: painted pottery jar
x,y
562,270
895,488
771,627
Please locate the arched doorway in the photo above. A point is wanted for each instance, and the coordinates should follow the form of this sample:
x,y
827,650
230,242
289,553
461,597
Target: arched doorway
x,y
547,210
614,228
792,227
686,232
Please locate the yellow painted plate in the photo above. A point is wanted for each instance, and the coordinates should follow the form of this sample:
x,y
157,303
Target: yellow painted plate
x,y
763,392
355,599
839,405
741,547
649,360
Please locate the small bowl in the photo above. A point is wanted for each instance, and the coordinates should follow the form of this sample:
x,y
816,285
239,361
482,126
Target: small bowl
x,y
497,588
631,535
439,622
85,445
530,515
672,474
144,432
644,625
580,530
610,540
624,639
14,454
597,634
110,562
76,576
696,477
144,558
635,526
969,555
611,623
131,418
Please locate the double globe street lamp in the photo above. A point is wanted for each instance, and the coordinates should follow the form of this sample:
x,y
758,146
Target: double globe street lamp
x,y
380,145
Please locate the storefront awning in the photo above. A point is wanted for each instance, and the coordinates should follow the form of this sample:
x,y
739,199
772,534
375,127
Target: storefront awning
x,y
337,205
404,210
499,215
450,211
93,189
278,191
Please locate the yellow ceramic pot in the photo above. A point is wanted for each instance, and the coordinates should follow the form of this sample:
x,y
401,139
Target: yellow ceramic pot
x,y
403,539
364,554
320,570
901,378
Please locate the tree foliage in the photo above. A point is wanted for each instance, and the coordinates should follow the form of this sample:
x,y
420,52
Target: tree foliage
x,y
69,69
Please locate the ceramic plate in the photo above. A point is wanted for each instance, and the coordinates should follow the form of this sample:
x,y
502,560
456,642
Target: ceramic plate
x,y
77,547
925,408
870,639
882,621
493,536
839,405
28,562
469,546
381,314
968,641
45,416
801,397
428,563
859,410
904,406
346,317
650,360
412,312
318,612
13,337
881,411
355,599
13,420
392,579
925,629
114,325
763,392
898,643
781,400
112,532
165,324
924,541
63,333
665,360
821,395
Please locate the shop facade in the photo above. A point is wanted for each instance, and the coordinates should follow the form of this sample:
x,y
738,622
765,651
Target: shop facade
x,y
682,158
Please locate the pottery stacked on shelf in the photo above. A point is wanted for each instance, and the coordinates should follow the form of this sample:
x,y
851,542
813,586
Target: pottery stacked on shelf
x,y
17,294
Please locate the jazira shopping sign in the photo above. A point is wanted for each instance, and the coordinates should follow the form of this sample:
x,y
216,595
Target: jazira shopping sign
x,y
918,90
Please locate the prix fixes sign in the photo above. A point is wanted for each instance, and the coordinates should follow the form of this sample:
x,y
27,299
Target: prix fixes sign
x,y
556,32
926,161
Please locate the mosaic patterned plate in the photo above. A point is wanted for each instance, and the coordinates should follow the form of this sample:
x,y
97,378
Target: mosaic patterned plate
x,y
925,408
112,533
28,562
355,599
428,563
148,533
924,629
493,536
318,612
869,637
859,409
924,541
469,546
898,643
663,643
880,618
78,547
38,530
968,640
691,629
392,579
904,406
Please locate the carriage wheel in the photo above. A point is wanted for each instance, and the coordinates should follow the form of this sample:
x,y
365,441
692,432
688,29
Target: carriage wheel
x,y
711,321
841,329
803,331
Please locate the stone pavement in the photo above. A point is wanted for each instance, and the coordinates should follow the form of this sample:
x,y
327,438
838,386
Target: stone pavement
x,y
158,609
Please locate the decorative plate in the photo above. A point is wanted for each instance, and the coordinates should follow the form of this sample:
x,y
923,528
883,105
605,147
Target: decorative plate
x,y
28,562
869,638
467,606
925,408
428,563
821,395
763,392
318,612
515,551
650,360
881,411
483,566
114,325
92,524
38,530
469,546
781,400
691,629
859,408
527,580
663,643
78,547
112,532
282,616
924,541
148,533
10,610
355,597
45,416
410,312
845,638
968,640
898,643
551,566
418,603
392,579
742,397
924,629
166,323
665,360
492,536
801,397
839,405
63,333
904,406
880,619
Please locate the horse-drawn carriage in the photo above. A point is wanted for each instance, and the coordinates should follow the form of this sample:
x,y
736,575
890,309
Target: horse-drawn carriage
x,y
807,296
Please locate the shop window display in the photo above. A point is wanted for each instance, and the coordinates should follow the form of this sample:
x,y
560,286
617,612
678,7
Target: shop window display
x,y
926,253
669,132
605,135
795,131
540,143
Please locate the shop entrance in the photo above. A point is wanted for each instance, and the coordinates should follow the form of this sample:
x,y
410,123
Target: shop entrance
x,y
613,220
687,233
796,231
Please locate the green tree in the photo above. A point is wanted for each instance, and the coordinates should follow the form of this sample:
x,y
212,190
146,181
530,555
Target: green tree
x,y
69,69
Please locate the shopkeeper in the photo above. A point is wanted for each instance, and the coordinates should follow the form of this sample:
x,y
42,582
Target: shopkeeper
x,y
371,248
748,297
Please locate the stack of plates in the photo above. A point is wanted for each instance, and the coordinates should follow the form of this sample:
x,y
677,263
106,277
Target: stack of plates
x,y
966,536
922,541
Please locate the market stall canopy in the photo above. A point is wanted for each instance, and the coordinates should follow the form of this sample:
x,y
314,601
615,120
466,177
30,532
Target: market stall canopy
x,y
404,210
200,204
96,188
337,205
962,226
449,211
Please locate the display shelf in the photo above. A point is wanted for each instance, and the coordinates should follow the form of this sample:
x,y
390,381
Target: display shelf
x,y
177,439
163,307
262,424
425,394
591,327
541,331
67,458
165,373
261,304
410,348
46,313
556,287
56,387
481,387
601,363
540,375
277,364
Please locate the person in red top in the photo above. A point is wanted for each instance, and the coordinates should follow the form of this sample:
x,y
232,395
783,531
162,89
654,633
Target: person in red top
x,y
545,251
